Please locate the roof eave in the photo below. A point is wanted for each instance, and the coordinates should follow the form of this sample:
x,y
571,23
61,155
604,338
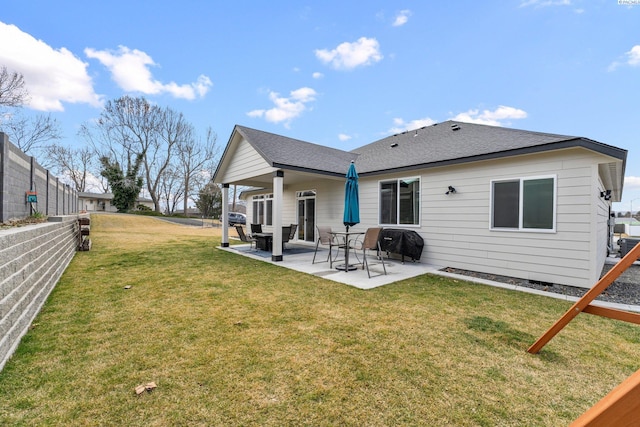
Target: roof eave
x,y
307,170
224,154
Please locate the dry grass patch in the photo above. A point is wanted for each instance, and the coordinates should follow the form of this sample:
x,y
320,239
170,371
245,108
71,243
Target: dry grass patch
x,y
234,341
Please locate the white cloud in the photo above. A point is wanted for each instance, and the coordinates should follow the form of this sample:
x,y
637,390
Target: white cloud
x,y
93,183
130,70
348,56
497,117
317,75
399,125
632,58
614,66
286,109
202,85
631,183
344,137
401,18
634,55
52,76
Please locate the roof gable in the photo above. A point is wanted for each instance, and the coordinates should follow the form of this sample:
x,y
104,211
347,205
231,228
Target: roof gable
x,y
288,153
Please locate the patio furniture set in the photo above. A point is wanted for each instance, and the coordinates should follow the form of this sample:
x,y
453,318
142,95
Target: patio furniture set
x,y
352,243
262,240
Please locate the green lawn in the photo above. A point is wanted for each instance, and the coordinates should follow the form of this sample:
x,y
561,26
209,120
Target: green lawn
x,y
234,341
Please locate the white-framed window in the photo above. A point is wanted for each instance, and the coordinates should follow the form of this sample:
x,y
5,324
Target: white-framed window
x,y
263,209
400,201
524,204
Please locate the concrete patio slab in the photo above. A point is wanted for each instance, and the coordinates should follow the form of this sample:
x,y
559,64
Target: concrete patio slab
x,y
299,257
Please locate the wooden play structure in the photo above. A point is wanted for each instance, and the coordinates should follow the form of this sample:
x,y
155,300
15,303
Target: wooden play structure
x,y
621,407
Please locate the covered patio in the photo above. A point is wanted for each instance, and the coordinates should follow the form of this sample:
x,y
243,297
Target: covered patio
x,y
284,173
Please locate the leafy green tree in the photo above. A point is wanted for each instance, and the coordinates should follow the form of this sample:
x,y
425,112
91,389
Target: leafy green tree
x,y
209,201
125,188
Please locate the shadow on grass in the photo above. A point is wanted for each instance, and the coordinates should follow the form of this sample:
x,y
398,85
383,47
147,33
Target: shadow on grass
x,y
496,330
499,329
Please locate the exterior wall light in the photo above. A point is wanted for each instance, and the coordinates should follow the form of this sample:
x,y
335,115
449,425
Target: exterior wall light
x,y
606,194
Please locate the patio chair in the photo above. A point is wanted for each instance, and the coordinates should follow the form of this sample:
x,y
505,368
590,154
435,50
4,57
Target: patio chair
x,y
326,238
245,238
371,241
288,233
256,228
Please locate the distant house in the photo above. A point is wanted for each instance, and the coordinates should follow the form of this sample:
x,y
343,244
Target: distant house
x,y
102,202
490,199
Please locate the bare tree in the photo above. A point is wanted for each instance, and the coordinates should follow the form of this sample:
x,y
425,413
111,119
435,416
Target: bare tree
x,y
235,197
173,129
107,141
99,140
195,161
74,163
12,90
31,134
129,127
28,134
171,189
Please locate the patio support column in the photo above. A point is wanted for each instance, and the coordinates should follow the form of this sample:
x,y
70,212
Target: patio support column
x,y
276,252
224,219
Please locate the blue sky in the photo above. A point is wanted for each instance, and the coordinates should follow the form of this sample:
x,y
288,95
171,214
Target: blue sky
x,y
339,73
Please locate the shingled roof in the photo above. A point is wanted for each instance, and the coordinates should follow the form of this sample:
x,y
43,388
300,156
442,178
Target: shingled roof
x,y
453,142
441,144
288,153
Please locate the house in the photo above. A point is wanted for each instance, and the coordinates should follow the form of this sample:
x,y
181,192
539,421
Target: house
x,y
490,199
102,202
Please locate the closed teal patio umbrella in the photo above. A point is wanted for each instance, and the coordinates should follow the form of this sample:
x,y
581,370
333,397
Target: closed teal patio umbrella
x,y
351,215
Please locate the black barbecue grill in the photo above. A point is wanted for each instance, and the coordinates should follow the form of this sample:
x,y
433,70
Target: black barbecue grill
x,y
402,242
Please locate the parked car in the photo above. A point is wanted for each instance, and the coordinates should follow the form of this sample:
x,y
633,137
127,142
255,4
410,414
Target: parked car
x,y
237,218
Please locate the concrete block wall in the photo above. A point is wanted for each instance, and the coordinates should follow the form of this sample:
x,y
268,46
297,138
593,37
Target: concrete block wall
x,y
32,259
20,173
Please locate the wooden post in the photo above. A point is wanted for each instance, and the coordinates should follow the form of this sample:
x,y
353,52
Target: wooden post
x,y
583,303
